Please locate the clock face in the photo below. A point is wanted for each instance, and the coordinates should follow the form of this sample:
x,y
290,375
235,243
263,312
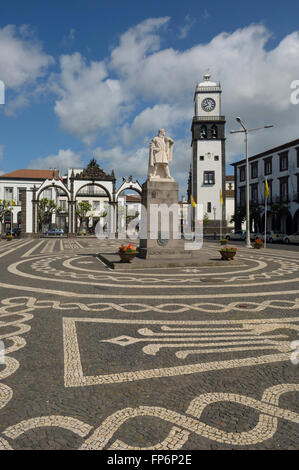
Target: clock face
x,y
208,104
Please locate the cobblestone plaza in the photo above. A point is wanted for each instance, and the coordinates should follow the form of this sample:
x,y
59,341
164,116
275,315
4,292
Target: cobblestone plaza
x,y
181,358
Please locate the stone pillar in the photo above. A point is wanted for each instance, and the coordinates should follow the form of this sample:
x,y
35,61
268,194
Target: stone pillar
x,y
72,218
112,227
24,213
35,216
27,208
164,245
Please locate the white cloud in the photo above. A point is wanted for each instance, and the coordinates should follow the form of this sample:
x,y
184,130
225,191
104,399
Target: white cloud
x,y
151,119
88,100
124,163
136,44
142,86
63,160
22,64
22,60
184,30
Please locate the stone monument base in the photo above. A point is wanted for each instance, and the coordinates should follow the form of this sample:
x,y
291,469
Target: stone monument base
x,y
161,192
199,258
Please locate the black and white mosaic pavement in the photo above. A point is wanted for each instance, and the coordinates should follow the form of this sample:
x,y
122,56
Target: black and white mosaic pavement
x,y
182,358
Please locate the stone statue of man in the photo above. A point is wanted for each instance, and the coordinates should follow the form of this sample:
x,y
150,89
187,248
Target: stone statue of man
x,y
160,155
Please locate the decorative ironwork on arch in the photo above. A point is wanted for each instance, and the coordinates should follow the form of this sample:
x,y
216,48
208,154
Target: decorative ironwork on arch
x,y
130,185
50,186
93,183
93,172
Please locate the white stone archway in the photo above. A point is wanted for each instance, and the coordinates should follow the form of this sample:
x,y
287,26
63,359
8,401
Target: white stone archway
x,y
128,184
53,183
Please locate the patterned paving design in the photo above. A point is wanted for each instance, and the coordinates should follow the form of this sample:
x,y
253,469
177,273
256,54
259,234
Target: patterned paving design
x,y
185,358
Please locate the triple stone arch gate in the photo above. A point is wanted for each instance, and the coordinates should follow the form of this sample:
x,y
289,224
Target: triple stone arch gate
x,y
106,183
71,197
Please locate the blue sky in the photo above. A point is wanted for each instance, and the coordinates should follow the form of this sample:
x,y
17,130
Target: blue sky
x,y
85,78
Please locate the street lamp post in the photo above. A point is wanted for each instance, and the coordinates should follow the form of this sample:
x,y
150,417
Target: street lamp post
x,y
246,132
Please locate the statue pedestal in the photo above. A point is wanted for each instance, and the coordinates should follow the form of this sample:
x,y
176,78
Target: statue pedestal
x,y
161,192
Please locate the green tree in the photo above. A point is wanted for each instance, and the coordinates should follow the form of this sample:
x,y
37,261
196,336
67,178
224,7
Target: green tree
x,y
255,215
206,219
46,207
5,206
81,210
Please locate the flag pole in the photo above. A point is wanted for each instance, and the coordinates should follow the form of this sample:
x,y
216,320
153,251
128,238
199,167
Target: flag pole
x,y
265,242
220,226
221,213
266,197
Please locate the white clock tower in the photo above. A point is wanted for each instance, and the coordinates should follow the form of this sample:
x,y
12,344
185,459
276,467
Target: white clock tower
x,y
208,150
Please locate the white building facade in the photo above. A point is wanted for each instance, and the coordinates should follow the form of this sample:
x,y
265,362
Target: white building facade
x,y
208,150
13,184
280,166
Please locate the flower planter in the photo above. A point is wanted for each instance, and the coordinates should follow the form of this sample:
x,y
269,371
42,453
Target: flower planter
x,y
258,244
223,243
227,255
126,257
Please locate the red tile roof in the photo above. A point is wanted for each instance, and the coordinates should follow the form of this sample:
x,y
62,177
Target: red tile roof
x,y
30,174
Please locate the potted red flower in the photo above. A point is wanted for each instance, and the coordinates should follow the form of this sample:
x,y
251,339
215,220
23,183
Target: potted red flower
x,y
127,253
258,243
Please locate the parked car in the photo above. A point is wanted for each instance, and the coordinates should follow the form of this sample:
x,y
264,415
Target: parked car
x,y
236,235
54,232
272,236
293,238
240,235
15,232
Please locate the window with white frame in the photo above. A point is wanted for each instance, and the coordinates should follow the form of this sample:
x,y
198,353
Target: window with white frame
x,y
62,204
47,193
209,177
242,173
8,194
96,205
19,199
283,161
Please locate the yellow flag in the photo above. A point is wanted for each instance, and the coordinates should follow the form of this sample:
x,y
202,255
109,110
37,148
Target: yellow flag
x,y
221,198
266,189
193,202
13,202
